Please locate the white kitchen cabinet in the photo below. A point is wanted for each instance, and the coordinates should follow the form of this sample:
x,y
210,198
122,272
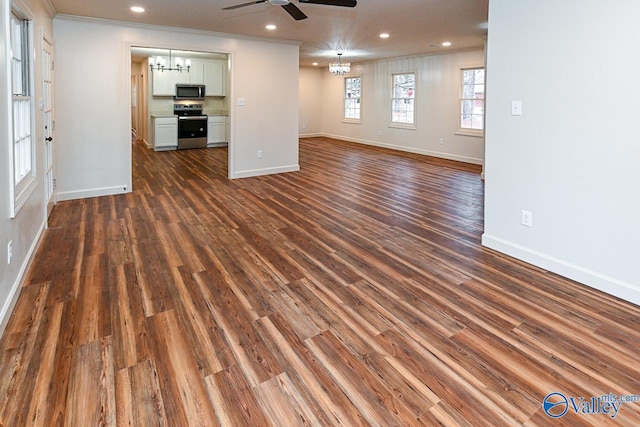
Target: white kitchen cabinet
x,y
216,131
215,77
164,83
183,77
210,72
165,133
197,72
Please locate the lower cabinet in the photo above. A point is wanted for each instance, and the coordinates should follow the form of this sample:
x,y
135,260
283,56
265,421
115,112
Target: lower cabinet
x,y
165,133
217,131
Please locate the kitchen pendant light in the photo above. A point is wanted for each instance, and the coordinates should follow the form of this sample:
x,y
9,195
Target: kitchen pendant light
x,y
157,64
339,68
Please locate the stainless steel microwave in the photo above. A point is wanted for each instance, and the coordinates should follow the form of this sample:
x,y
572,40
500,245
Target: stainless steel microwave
x,y
190,92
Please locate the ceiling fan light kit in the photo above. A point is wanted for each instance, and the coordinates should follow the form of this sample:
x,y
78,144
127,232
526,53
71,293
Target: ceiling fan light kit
x,y
292,9
338,68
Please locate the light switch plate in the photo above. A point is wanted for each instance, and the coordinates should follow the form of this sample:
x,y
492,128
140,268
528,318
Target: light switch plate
x,y
242,102
516,108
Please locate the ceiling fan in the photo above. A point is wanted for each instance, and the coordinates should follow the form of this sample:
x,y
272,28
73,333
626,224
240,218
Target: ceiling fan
x,y
292,9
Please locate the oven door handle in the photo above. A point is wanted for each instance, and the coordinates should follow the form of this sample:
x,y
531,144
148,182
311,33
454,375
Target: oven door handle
x,y
192,118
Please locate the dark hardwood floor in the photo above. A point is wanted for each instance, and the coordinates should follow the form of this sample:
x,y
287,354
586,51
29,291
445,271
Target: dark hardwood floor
x,y
354,292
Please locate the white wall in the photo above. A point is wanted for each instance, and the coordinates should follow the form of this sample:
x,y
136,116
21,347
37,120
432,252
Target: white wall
x,y
572,158
25,229
437,105
311,97
92,101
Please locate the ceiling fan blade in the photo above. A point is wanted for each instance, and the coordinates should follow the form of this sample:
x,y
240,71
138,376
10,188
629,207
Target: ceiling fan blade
x,y
293,10
238,6
344,3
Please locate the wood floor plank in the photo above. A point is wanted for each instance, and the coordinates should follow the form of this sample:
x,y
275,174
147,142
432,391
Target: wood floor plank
x,y
354,292
178,374
280,402
39,402
234,402
91,398
317,387
139,399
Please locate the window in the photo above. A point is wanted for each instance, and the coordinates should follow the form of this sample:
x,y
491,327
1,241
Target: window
x,y
403,99
352,94
472,100
24,181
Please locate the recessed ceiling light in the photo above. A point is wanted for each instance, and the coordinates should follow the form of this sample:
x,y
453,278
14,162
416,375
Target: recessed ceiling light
x,y
315,64
384,35
271,27
137,9
446,44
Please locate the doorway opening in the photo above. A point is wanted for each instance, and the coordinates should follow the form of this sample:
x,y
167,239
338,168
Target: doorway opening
x,y
155,73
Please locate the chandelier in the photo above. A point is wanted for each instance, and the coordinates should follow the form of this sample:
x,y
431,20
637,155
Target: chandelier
x,y
339,68
158,64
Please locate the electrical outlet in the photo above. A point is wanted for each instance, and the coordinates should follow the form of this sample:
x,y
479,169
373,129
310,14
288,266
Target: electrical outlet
x,y
259,154
527,218
441,141
9,251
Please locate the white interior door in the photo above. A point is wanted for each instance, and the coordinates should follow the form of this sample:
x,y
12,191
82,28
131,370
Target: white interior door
x,y
48,123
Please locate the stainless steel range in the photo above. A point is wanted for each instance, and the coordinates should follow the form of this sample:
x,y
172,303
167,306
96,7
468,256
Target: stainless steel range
x,y
192,126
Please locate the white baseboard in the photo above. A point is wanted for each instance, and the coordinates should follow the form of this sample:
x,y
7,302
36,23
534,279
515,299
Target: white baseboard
x,y
93,192
311,135
266,171
601,282
11,301
438,154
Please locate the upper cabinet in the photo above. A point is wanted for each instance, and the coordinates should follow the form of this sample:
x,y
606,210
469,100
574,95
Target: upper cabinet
x,y
210,72
215,77
164,83
197,72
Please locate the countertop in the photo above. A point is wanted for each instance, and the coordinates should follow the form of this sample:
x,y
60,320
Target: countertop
x,y
161,114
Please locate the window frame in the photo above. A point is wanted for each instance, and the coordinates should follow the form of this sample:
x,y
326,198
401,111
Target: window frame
x,y
479,133
346,119
404,125
21,189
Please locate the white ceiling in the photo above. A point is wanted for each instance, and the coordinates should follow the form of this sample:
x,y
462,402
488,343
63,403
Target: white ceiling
x,y
414,26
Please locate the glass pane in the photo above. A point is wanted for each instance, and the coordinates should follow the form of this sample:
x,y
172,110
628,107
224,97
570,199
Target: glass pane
x,y
403,86
352,87
468,91
477,122
467,108
468,76
402,110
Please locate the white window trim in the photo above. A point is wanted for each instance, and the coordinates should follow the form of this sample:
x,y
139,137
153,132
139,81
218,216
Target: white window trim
x,y
398,125
476,133
19,194
345,119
